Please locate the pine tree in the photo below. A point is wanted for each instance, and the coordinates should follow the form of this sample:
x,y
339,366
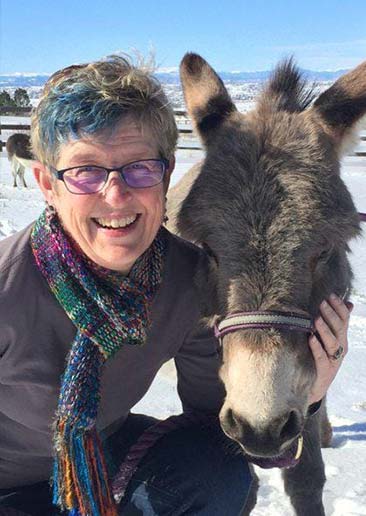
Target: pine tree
x,y
21,97
6,100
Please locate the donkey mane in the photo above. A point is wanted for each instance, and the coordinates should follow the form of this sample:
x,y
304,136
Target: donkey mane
x,y
288,90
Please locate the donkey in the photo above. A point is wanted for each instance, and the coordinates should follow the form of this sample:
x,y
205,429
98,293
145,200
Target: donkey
x,y
270,208
19,154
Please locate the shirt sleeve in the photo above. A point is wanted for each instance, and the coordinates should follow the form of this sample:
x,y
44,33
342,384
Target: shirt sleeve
x,y
198,364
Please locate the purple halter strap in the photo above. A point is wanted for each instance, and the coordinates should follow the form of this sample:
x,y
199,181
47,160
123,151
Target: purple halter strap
x,y
362,217
264,319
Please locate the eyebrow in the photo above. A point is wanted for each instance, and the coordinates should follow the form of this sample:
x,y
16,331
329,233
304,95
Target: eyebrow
x,y
89,159
86,158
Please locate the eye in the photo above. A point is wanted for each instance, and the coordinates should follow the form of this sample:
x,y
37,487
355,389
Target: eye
x,y
85,171
320,258
324,255
138,165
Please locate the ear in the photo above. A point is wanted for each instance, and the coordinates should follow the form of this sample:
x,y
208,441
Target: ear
x,y
207,99
341,106
168,174
43,178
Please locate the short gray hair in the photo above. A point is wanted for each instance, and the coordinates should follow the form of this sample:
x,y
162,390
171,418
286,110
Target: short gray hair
x,y
93,97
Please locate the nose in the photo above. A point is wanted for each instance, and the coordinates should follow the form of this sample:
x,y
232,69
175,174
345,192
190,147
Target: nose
x,y
116,186
267,440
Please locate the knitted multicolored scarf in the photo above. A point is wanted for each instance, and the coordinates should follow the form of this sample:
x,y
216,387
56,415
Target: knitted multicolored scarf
x,y
108,310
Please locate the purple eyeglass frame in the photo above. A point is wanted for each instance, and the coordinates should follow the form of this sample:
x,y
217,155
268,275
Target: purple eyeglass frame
x,y
59,174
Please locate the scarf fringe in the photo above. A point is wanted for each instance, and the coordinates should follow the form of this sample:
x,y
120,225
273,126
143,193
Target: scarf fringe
x,y
80,475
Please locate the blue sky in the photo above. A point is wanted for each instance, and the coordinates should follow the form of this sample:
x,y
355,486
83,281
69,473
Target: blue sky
x,y
45,35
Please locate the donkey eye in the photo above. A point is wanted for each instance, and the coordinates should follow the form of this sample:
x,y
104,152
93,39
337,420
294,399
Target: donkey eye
x,y
325,255
320,258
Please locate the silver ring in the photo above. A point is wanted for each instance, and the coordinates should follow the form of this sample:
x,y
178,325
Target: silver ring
x,y
337,354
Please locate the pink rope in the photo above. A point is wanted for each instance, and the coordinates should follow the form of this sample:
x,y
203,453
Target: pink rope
x,y
145,442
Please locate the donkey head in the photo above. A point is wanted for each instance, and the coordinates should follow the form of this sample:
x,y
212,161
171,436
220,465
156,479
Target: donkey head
x,y
18,144
272,211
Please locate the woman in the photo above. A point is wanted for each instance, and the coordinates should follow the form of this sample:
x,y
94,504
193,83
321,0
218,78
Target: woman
x,y
94,276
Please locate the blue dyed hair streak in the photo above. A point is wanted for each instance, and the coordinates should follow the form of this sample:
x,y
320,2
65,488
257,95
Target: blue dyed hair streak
x,y
88,99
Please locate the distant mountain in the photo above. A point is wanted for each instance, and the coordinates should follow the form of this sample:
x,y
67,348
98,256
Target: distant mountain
x,y
20,80
313,75
262,76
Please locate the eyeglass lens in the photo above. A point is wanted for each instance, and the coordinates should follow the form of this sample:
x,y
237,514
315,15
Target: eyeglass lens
x,y
91,179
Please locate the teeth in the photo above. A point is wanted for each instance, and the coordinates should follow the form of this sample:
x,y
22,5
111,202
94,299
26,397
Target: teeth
x,y
116,223
300,444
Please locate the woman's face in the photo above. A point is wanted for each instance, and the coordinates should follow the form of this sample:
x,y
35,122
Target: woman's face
x,y
88,219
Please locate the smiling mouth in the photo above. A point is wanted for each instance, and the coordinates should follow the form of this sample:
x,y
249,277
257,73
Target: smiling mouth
x,y
116,223
288,459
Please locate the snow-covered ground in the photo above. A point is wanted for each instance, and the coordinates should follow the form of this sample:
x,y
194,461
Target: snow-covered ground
x,y
345,491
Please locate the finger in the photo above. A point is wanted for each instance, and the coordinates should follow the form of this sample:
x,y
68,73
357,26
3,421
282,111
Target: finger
x,y
319,353
340,307
329,340
337,324
324,330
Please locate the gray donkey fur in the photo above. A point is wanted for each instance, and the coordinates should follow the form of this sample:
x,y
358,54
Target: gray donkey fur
x,y
269,206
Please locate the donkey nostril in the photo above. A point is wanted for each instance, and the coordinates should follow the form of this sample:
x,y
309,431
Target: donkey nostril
x,y
231,424
292,426
230,421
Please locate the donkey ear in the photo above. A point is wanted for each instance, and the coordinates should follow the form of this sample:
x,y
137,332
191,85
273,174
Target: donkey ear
x,y
207,99
343,104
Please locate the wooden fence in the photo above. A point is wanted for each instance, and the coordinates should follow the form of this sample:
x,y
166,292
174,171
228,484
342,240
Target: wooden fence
x,y
15,111
184,127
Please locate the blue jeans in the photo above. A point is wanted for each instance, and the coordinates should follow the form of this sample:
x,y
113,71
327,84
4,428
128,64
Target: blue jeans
x,y
193,471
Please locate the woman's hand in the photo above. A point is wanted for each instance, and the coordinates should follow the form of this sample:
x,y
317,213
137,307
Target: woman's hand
x,y
332,327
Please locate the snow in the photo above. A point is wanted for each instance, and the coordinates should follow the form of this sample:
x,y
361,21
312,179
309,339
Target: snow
x,y
345,490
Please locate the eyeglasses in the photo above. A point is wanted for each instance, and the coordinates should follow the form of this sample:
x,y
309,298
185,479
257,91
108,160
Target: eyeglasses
x,y
89,179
